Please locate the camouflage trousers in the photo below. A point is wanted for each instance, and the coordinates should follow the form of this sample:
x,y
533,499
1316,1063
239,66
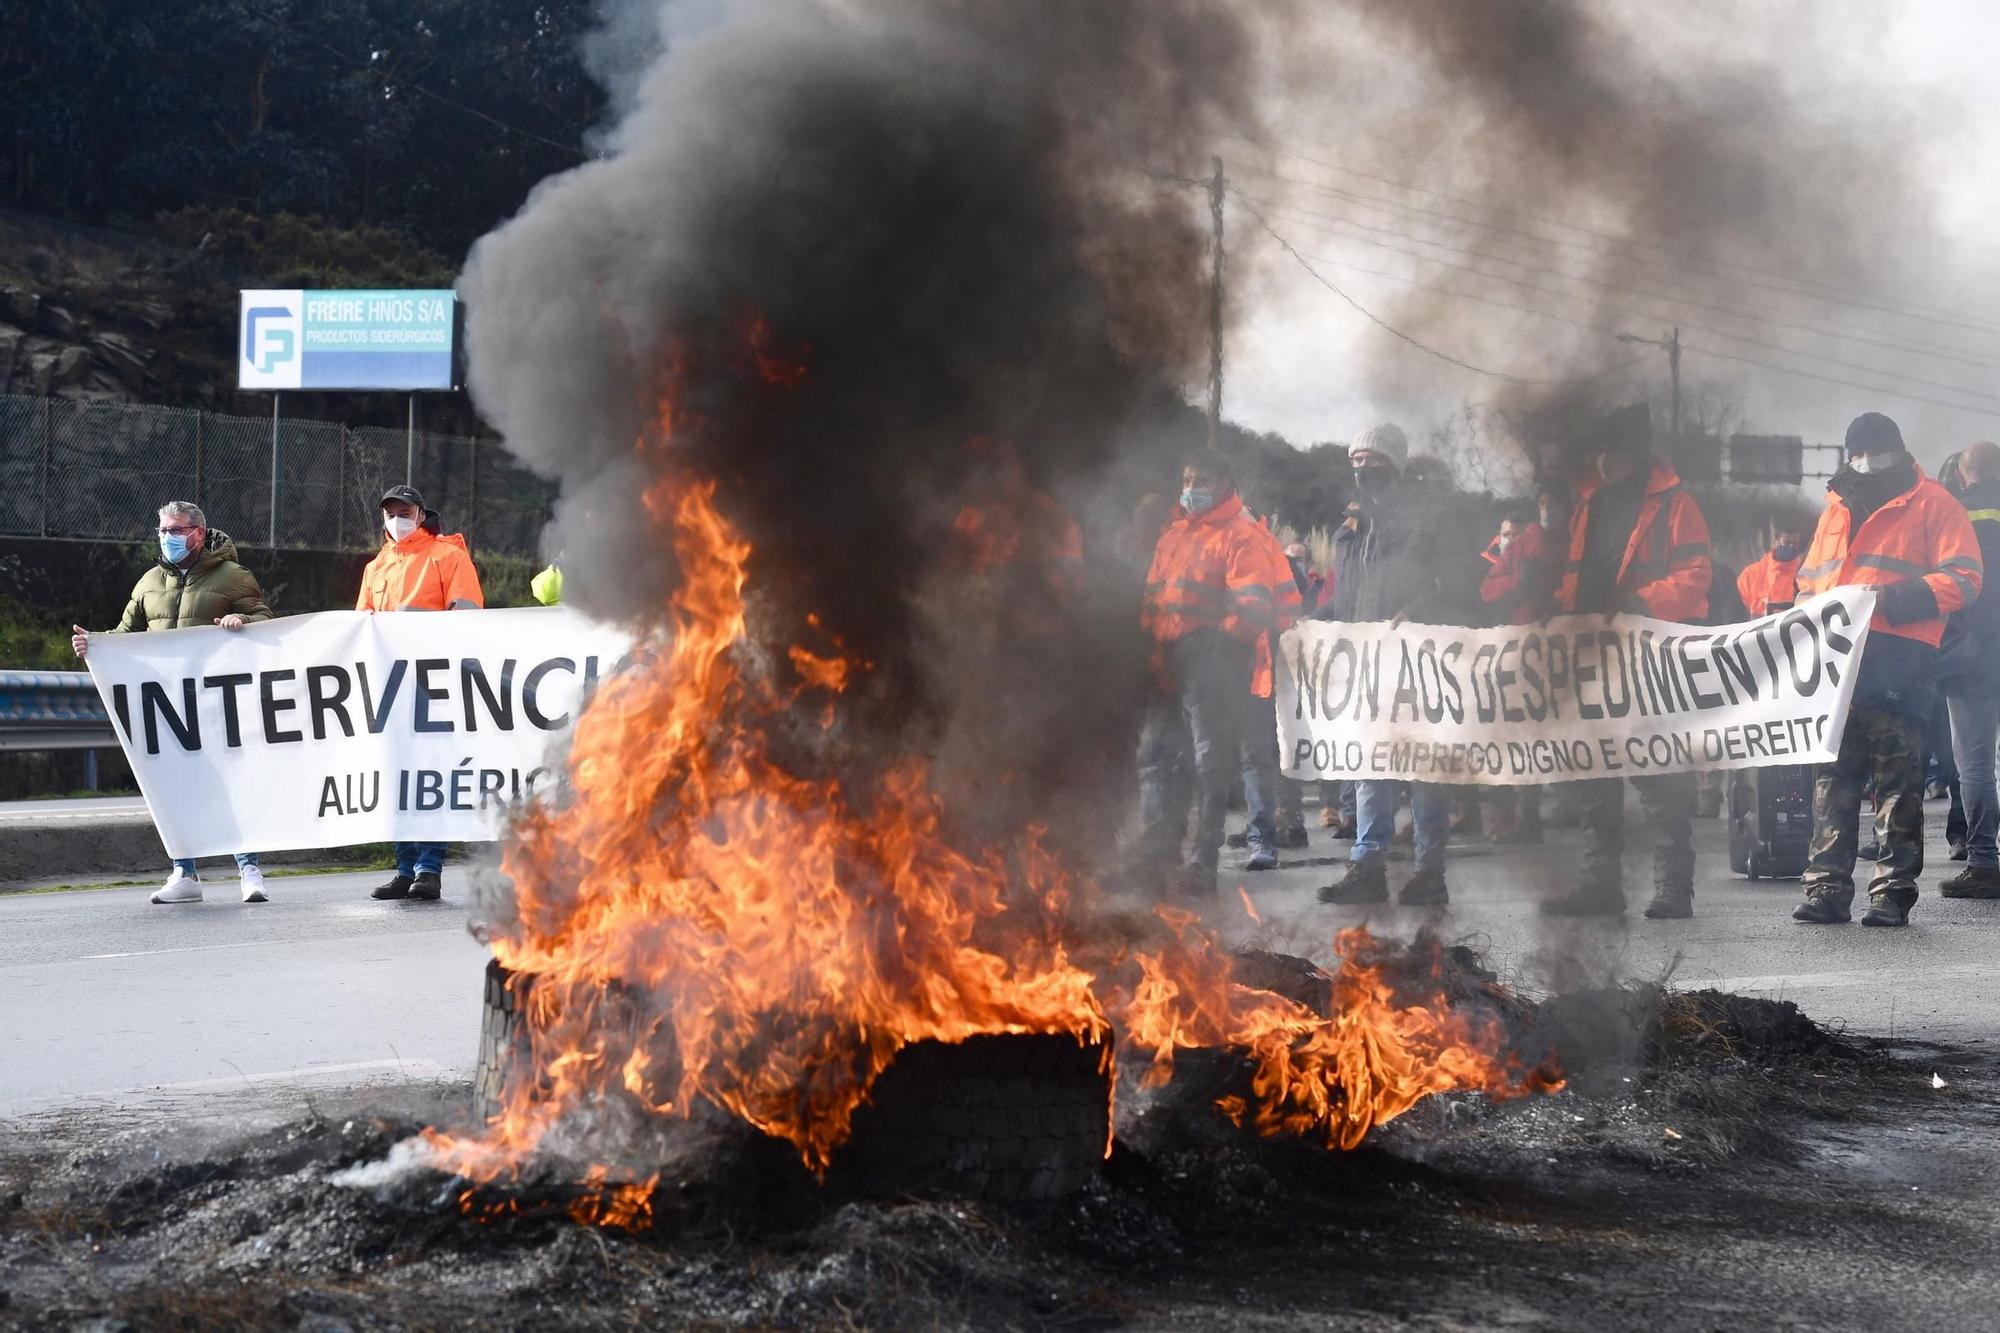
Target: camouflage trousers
x,y
1889,748
1668,801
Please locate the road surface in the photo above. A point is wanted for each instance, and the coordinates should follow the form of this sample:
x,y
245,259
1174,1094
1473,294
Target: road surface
x,y
112,1002
79,808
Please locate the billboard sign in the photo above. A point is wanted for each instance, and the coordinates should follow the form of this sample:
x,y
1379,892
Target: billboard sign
x,y
299,339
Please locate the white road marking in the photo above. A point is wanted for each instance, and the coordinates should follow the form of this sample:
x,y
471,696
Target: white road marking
x,y
192,948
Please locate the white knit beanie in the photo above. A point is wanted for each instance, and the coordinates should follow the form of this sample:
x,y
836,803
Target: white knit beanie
x,y
1385,438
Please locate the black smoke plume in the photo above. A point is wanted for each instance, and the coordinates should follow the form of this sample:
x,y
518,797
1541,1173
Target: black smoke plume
x,y
838,244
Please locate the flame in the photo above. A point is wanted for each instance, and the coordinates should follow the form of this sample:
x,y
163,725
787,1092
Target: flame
x,y
704,925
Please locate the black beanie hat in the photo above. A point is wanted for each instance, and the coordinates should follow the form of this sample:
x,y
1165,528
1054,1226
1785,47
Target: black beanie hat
x,y
1873,433
1628,430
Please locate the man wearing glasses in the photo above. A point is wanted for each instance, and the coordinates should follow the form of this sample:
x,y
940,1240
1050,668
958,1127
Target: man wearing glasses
x,y
196,581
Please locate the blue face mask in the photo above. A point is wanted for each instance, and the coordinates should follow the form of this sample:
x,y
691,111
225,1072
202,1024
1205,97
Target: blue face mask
x,y
174,547
1197,499
1783,553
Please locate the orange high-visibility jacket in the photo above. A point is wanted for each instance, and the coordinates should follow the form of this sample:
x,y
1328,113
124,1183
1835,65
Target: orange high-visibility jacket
x,y
1666,558
1221,570
1769,582
422,572
1921,534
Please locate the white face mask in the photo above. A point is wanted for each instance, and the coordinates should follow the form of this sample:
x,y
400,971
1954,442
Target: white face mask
x,y
398,528
1862,463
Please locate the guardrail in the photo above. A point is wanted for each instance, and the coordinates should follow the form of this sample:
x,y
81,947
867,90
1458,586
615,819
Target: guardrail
x,y
52,710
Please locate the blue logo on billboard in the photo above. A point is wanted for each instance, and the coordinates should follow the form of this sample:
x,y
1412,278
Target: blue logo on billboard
x,y
277,345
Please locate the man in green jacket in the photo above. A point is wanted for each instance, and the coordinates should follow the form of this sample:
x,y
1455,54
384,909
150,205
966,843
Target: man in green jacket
x,y
196,581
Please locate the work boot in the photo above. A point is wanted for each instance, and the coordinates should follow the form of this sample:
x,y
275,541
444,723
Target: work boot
x,y
426,886
1671,904
1959,851
180,887
1365,882
1821,909
1972,882
1587,900
1425,889
1329,816
1264,858
399,887
1292,830
1346,831
251,880
1889,908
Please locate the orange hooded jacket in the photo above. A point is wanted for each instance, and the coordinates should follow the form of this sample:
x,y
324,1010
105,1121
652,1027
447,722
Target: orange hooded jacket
x,y
1220,570
1769,582
1666,563
422,572
1922,534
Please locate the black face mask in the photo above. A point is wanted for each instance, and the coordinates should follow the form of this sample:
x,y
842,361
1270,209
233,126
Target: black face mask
x,y
1374,481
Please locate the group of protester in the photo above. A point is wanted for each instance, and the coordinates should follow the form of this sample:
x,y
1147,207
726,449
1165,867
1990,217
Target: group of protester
x,y
197,581
1627,535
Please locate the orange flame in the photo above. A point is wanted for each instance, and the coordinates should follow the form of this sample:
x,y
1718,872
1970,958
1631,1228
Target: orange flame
x,y
781,938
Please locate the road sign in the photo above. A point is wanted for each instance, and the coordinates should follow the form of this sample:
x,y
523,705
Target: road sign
x,y
295,339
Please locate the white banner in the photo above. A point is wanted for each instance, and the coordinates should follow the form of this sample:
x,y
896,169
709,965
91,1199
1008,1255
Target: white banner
x,y
1582,697
345,727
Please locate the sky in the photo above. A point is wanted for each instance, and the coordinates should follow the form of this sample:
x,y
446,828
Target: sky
x,y
1304,363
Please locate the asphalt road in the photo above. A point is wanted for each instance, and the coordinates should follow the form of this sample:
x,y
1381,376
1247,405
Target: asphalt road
x,y
79,808
110,1001
107,999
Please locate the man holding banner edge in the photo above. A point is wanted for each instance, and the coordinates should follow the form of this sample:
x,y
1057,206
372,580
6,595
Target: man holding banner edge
x,y
1637,542
1886,526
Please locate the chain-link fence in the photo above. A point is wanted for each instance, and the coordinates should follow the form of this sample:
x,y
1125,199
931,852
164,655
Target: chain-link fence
x,y
100,470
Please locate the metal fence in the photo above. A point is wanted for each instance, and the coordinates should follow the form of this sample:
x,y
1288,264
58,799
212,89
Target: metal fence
x,y
100,470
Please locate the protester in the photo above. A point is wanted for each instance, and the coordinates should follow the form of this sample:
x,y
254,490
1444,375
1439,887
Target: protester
x,y
1520,575
196,581
546,586
1385,563
1771,582
1637,543
419,568
1218,583
1888,526
1969,666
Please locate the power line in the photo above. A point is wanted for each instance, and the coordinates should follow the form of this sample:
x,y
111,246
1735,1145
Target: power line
x,y
1372,318
1935,315
1567,296
1777,320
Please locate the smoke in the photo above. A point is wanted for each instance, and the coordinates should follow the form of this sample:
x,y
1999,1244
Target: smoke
x,y
838,242
1745,172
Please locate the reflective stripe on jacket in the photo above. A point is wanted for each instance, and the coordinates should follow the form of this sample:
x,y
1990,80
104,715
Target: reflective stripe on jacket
x,y
1769,582
1921,534
1220,570
1666,558
422,572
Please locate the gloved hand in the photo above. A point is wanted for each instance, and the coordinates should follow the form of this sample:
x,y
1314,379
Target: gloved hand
x,y
1901,603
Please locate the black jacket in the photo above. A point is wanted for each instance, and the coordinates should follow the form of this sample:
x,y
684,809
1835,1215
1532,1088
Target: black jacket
x,y
1388,562
1969,657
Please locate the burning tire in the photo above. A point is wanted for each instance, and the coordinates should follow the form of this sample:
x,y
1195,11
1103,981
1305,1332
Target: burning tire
x,y
501,1037
1001,1117
993,1117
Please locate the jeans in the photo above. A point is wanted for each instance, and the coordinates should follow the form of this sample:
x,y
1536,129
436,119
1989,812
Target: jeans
x,y
185,864
1264,791
1375,817
1975,728
1195,727
1943,752
419,858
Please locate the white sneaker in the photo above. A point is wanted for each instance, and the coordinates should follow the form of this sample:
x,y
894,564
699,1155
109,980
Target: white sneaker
x,y
253,883
180,887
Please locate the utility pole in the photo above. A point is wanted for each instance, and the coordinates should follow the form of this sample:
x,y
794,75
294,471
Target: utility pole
x,y
1215,192
1671,345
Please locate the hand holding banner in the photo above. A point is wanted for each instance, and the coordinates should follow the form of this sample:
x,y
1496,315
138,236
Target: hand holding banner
x,y
1582,697
344,727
